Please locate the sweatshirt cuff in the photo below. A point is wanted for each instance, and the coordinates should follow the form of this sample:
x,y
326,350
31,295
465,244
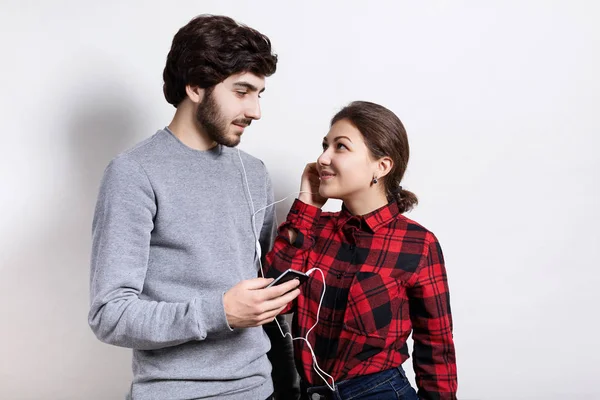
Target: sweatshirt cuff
x,y
211,316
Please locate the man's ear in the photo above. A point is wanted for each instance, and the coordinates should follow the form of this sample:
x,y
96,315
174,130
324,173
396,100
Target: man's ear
x,y
194,93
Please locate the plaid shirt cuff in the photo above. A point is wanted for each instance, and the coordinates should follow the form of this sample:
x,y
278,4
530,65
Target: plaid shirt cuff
x,y
303,218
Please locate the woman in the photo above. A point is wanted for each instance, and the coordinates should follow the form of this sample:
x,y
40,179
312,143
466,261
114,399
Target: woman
x,y
384,273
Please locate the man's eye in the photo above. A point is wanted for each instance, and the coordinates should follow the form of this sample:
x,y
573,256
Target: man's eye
x,y
241,94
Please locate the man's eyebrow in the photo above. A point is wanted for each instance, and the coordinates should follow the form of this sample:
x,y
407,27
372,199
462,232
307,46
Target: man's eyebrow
x,y
249,86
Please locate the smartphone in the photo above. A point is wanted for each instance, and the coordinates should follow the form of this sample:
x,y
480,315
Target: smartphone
x,y
288,276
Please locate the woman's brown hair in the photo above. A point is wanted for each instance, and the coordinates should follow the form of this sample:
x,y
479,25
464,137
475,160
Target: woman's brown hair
x,y
384,135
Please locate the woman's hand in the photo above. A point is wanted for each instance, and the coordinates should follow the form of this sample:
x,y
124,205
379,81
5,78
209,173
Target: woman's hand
x,y
309,187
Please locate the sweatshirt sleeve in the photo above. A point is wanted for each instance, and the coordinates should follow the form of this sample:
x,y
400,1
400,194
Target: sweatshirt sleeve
x,y
121,231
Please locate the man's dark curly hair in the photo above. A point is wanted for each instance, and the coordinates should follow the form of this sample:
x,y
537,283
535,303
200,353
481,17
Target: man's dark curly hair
x,y
209,49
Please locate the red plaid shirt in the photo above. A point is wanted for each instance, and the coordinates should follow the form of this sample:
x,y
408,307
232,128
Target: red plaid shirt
x,y
385,276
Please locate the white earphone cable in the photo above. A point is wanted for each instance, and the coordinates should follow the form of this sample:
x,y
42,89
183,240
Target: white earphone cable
x,y
318,369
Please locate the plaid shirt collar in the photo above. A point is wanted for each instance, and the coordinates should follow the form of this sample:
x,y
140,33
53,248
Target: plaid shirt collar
x,y
372,221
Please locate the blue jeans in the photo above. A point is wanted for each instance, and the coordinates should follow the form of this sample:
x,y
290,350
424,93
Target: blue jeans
x,y
385,385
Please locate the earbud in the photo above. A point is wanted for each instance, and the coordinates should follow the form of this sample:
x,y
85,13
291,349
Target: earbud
x,y
258,253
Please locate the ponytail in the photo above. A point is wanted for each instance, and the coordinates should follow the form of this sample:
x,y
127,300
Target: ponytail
x,y
406,200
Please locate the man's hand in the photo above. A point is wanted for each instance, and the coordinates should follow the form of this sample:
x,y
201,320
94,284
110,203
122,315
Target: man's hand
x,y
249,303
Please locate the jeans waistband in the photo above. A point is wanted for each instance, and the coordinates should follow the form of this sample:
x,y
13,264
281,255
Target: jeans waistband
x,y
349,387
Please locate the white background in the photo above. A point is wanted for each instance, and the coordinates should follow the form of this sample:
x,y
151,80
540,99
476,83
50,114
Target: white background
x,y
500,101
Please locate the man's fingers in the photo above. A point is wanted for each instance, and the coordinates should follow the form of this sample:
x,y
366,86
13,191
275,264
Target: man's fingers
x,y
288,297
270,316
279,290
280,302
257,283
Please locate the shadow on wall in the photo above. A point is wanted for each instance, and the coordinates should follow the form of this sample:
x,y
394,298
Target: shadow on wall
x,y
51,340
282,189
97,132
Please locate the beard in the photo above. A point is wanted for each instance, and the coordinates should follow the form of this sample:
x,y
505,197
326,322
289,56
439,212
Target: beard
x,y
214,123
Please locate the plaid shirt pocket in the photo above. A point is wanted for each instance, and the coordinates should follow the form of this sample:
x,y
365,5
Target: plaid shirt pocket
x,y
371,299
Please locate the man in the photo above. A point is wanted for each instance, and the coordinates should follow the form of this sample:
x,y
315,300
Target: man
x,y
174,256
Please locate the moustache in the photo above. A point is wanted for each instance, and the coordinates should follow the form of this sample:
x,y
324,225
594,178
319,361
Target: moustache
x,y
243,121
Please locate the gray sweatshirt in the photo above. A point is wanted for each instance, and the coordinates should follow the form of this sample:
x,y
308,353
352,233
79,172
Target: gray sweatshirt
x,y
171,233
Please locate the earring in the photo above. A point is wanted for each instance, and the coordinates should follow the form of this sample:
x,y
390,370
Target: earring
x,y
374,180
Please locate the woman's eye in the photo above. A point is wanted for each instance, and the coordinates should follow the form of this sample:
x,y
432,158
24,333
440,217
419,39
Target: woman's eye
x,y
341,146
